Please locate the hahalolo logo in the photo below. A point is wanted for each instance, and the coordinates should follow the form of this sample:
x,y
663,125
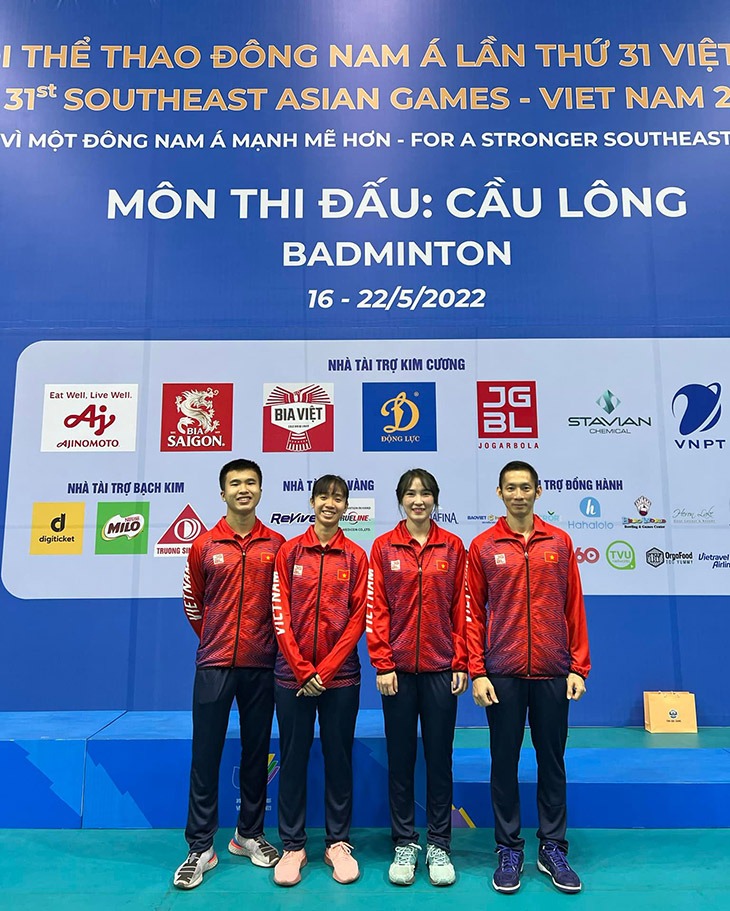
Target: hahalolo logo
x,y
698,409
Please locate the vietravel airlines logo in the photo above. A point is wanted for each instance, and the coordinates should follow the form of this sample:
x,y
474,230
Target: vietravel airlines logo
x,y
89,416
197,417
507,414
397,417
609,422
698,410
299,417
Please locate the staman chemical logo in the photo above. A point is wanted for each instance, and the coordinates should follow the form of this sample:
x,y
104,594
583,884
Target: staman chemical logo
x,y
122,528
397,417
89,416
608,402
179,537
298,417
507,414
621,555
698,409
643,505
197,417
57,528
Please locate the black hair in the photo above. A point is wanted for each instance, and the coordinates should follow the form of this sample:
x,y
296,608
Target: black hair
x,y
425,477
329,482
239,465
519,466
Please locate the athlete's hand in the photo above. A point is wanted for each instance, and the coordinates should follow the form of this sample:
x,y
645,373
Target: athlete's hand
x,y
482,689
576,686
313,687
459,682
387,684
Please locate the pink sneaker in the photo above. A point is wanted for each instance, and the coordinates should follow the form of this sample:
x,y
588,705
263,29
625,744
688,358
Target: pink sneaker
x,y
286,872
344,866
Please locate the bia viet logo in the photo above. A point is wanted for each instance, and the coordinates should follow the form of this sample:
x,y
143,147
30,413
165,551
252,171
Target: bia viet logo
x,y
507,411
178,539
91,416
398,416
698,409
197,417
122,528
299,417
620,555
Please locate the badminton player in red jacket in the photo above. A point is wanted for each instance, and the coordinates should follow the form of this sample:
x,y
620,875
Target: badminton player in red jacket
x,y
416,639
319,603
528,657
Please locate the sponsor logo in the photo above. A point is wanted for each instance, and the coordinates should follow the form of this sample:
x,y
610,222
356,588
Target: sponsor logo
x,y
57,528
398,416
490,518
197,417
683,516
271,773
718,561
620,555
550,557
179,537
673,714
218,559
507,411
656,557
608,402
500,559
698,409
395,566
586,555
590,507
358,521
122,528
291,518
444,518
297,569
643,505
298,417
552,517
90,416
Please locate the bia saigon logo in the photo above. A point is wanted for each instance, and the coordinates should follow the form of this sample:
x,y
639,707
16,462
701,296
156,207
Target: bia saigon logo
x,y
122,528
197,417
507,415
299,417
398,417
608,402
698,409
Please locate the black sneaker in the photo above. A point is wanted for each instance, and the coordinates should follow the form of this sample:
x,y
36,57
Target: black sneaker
x,y
507,875
190,873
551,859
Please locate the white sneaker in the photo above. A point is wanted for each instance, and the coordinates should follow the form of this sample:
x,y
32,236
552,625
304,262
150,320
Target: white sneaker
x,y
440,869
262,854
402,871
190,873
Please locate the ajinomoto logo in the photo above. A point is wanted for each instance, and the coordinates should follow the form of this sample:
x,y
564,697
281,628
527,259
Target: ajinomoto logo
x,y
397,417
57,528
122,528
90,416
299,417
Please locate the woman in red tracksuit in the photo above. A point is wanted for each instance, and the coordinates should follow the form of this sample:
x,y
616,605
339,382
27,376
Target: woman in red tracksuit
x,y
319,604
416,639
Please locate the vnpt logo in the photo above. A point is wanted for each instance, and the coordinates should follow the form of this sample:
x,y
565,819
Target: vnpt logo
x,y
507,410
590,507
399,416
698,409
620,555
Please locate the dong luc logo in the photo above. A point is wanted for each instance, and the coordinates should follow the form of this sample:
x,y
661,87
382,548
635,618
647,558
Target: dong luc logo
x,y
698,409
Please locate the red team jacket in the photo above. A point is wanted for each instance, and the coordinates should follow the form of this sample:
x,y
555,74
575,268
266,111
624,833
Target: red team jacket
x,y
416,603
525,612
319,604
227,596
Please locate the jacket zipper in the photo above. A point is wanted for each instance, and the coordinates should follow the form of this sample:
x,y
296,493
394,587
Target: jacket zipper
x,y
240,606
316,613
529,617
420,610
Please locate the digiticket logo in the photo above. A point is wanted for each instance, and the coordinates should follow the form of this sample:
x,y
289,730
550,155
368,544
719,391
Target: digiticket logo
x,y
507,411
590,507
698,409
57,528
398,416
609,402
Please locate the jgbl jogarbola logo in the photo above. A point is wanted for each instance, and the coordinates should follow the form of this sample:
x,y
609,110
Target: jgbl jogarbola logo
x,y
698,409
299,417
507,414
398,416
608,402
644,520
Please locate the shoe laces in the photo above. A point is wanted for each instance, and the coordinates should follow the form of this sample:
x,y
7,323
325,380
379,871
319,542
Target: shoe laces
x,y
191,862
556,855
437,856
509,859
341,846
406,854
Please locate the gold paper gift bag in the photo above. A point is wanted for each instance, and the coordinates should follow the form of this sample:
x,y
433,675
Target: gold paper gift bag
x,y
670,713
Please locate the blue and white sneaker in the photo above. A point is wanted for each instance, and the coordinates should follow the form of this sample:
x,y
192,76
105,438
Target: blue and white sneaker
x,y
507,875
402,871
551,859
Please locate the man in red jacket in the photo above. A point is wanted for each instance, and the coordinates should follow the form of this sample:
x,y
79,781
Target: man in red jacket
x,y
528,653
227,598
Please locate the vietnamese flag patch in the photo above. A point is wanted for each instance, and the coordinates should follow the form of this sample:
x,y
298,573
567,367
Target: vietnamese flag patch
x,y
442,566
343,575
267,557
551,557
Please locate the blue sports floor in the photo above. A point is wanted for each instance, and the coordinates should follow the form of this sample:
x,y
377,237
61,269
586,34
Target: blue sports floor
x,y
107,870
